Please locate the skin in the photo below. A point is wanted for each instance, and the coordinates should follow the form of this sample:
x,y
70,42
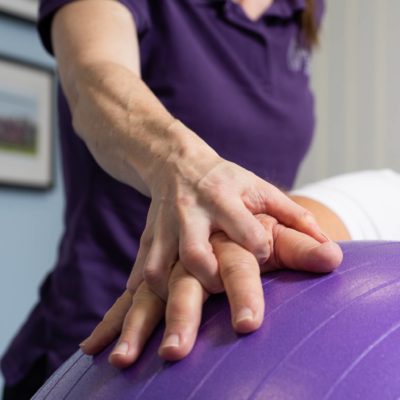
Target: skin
x,y
330,223
135,315
194,192
254,8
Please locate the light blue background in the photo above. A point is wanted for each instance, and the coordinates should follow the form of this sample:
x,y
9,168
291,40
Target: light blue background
x,y
30,221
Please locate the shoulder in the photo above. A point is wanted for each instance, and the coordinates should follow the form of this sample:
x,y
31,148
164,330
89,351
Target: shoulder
x,y
140,10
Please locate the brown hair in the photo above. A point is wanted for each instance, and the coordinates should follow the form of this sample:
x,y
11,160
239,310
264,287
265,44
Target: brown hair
x,y
309,25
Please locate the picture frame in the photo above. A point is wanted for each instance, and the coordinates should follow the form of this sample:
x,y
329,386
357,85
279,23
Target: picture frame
x,y
26,9
26,124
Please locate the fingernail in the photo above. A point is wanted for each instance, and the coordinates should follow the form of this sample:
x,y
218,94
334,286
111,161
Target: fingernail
x,y
171,341
121,348
84,342
245,314
312,222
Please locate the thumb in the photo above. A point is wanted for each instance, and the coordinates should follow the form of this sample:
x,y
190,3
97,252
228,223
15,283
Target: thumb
x,y
268,199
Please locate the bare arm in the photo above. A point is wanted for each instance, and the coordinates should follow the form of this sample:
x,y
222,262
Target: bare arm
x,y
124,125
136,140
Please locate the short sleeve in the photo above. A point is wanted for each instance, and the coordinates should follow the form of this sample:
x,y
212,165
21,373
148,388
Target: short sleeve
x,y
48,8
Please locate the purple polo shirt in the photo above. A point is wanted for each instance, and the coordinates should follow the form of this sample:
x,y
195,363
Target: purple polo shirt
x,y
242,86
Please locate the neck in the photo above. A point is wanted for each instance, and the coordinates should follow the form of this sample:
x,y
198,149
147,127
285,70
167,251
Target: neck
x,y
254,9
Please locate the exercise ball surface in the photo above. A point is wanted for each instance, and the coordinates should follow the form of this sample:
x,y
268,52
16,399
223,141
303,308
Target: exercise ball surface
x,y
334,336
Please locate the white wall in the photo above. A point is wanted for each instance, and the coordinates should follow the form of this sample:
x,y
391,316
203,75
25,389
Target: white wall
x,y
30,221
357,86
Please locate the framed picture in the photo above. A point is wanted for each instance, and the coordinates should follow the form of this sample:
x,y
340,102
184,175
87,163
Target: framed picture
x,y
26,149
27,9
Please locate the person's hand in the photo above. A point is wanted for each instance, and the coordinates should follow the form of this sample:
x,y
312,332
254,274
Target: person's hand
x,y
136,315
197,194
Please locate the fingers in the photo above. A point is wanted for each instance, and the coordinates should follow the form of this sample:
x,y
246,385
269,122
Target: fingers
x,y
160,259
183,314
240,274
146,241
136,275
266,198
300,252
296,250
145,312
243,228
108,329
196,253
238,223
181,219
157,254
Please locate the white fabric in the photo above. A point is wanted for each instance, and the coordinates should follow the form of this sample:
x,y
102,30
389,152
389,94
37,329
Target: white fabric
x,y
367,202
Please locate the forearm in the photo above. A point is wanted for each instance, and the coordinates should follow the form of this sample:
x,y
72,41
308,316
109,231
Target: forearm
x,y
114,124
126,128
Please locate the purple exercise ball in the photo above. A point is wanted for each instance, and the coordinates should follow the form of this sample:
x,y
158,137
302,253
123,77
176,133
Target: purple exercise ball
x,y
334,336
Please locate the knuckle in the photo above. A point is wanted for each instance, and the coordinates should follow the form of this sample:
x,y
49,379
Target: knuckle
x,y
254,239
193,256
153,276
142,296
178,317
308,216
237,267
213,191
259,236
175,283
217,195
129,331
183,201
131,286
143,291
179,314
266,220
262,218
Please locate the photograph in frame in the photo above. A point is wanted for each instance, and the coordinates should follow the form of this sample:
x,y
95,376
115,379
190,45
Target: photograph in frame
x,y
27,9
26,149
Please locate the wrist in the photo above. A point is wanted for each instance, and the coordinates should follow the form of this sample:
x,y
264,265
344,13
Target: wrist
x,y
182,154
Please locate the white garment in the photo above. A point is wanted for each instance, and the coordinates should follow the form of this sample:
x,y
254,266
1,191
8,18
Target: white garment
x,y
367,202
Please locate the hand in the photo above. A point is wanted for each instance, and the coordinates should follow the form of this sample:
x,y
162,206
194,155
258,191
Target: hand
x,y
199,193
137,315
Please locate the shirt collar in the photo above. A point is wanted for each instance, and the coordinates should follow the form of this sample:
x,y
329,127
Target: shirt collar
x,y
279,8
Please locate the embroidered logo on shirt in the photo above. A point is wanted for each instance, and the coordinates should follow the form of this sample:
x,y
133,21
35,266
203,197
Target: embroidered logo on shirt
x,y
298,57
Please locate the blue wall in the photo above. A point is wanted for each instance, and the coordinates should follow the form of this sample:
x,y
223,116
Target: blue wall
x,y
30,221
